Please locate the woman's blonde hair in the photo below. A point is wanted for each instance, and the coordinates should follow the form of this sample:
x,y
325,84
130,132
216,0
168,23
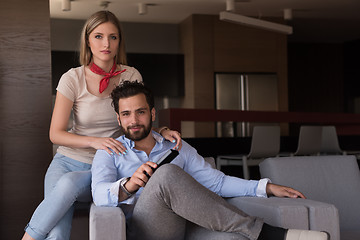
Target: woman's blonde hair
x,y
93,21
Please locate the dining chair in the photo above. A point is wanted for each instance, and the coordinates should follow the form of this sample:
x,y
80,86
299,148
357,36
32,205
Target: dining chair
x,y
265,142
309,142
330,142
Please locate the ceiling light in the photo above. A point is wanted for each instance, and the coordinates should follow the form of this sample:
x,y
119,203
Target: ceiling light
x,y
288,14
104,4
230,5
257,23
66,5
142,8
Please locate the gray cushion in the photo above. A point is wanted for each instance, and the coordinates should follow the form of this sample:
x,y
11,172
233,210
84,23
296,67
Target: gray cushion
x,y
107,223
195,232
331,179
274,211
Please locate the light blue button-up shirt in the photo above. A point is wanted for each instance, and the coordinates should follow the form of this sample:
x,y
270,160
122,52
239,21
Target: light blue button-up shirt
x,y
109,169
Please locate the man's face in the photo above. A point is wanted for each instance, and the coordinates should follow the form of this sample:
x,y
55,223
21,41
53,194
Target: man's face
x,y
135,117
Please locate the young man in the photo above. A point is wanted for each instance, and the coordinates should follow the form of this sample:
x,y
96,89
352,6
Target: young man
x,y
158,204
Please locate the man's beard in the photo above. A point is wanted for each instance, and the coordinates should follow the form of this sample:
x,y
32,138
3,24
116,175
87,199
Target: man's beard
x,y
139,135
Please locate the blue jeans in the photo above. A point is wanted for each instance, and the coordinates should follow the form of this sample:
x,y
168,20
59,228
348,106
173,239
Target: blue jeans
x,y
66,181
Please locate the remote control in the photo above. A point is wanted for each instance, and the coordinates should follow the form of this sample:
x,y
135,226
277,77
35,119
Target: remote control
x,y
166,158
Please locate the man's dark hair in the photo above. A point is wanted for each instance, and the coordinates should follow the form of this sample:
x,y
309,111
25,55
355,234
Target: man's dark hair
x,y
129,89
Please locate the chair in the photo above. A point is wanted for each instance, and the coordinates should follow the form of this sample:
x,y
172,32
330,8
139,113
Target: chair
x,y
329,141
309,142
108,223
332,179
265,142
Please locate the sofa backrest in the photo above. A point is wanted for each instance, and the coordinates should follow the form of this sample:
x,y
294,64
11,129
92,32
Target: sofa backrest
x,y
331,179
210,160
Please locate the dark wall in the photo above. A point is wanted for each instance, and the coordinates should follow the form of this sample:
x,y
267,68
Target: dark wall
x,y
316,77
351,73
163,73
61,62
324,77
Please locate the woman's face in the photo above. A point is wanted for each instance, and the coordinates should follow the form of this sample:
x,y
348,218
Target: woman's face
x,y
104,42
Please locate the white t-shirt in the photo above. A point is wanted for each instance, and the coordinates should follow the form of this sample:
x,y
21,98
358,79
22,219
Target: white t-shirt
x,y
92,116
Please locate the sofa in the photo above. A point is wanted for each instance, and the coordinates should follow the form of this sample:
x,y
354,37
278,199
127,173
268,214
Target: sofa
x,y
108,223
332,179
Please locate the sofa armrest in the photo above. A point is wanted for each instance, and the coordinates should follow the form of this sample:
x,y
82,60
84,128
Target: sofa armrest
x,y
107,223
323,216
292,213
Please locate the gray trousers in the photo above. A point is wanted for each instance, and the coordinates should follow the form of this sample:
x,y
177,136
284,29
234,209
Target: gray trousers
x,y
172,197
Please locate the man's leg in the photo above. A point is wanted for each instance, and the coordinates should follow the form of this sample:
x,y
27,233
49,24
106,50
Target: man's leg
x,y
269,232
172,196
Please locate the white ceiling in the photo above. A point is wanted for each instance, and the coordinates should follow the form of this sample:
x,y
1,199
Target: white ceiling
x,y
174,11
340,16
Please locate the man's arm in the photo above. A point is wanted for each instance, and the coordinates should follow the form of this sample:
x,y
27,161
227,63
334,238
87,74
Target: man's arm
x,y
136,181
213,179
229,186
106,186
104,177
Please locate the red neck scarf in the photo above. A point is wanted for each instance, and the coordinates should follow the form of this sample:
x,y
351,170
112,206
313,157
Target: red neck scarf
x,y
104,83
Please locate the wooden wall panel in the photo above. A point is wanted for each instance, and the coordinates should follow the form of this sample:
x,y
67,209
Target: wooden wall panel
x,y
186,47
196,34
25,94
211,46
204,70
244,49
239,48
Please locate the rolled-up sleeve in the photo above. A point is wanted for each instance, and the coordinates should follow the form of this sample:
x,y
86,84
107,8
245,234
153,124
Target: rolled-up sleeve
x,y
104,178
217,181
237,187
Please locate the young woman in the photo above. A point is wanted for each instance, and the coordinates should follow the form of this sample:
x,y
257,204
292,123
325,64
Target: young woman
x,y
85,91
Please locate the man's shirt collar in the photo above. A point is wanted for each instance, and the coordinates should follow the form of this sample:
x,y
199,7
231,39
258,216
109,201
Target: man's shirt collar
x,y
158,138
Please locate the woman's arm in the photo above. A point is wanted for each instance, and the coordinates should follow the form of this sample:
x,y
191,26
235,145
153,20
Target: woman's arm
x,y
59,135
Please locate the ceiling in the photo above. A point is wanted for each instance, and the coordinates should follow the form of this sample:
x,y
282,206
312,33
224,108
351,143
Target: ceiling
x,y
332,20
